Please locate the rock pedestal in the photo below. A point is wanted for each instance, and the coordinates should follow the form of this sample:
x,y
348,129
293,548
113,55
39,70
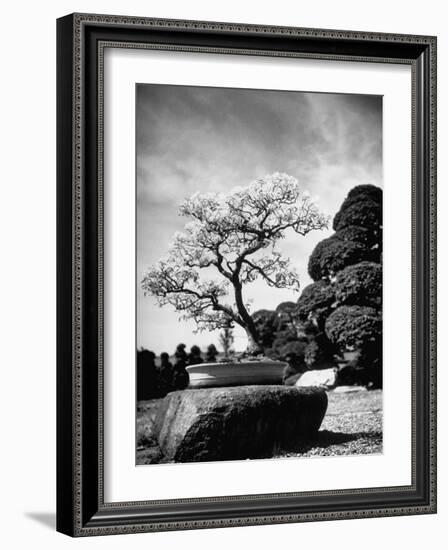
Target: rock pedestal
x,y
238,422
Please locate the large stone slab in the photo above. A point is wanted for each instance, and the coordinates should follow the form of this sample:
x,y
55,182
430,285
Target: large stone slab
x,y
238,422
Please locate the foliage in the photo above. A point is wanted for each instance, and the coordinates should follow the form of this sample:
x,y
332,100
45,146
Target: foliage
x,y
369,191
194,357
357,234
332,255
226,340
315,302
354,327
180,353
286,342
363,213
236,236
282,349
370,361
344,300
212,352
264,321
147,383
285,316
319,353
359,284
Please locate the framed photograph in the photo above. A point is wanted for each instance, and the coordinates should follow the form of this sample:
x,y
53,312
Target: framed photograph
x,y
246,274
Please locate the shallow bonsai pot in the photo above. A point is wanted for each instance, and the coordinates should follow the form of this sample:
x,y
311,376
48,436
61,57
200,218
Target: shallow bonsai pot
x,y
237,373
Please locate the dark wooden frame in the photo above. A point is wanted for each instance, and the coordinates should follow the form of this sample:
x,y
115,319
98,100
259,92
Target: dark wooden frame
x,y
81,39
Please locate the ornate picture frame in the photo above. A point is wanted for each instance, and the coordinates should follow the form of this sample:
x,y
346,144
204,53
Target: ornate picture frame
x,y
81,506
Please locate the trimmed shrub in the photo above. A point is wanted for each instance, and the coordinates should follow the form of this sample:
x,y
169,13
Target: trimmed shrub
x,y
315,303
368,190
286,307
358,234
285,316
354,327
363,213
332,255
264,320
319,353
359,284
288,344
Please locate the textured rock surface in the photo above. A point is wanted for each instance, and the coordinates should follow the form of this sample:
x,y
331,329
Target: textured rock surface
x,y
325,378
237,423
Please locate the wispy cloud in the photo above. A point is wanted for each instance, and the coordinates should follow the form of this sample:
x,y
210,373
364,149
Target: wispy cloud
x,y
211,139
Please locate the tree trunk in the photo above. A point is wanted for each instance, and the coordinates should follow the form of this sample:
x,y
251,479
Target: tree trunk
x,y
253,347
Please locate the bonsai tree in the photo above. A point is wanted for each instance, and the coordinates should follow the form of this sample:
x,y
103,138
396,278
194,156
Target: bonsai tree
x,y
234,236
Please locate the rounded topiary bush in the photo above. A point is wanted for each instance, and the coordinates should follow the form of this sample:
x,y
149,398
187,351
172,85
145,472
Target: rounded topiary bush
x,y
286,307
315,302
368,190
363,213
264,320
354,327
332,255
285,315
292,347
359,284
319,353
357,234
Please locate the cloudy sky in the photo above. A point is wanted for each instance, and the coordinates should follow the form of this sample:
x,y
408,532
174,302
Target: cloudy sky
x,y
193,139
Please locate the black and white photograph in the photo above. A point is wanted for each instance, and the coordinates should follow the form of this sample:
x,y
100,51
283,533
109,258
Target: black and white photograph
x,y
258,274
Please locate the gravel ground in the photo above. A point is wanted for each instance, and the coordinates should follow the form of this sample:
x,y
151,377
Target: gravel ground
x,y
352,426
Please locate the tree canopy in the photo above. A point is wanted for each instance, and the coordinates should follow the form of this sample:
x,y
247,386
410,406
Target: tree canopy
x,y
235,237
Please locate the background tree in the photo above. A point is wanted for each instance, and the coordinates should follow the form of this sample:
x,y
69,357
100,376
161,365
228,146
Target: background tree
x,y
226,340
147,383
212,352
264,321
236,236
